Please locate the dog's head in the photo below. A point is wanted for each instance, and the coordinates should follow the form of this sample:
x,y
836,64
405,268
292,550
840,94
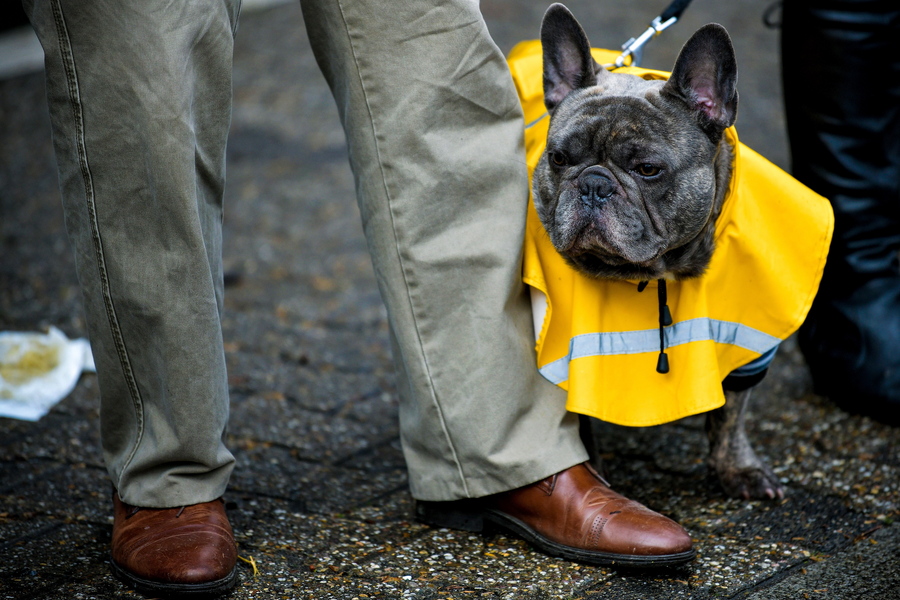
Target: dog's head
x,y
635,170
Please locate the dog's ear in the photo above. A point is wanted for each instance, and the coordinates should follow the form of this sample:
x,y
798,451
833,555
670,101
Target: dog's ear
x,y
568,64
705,78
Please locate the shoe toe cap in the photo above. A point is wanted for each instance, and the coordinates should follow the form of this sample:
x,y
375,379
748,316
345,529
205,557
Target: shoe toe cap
x,y
182,559
638,531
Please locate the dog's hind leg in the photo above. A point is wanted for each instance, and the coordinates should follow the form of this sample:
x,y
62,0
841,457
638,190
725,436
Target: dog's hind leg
x,y
741,472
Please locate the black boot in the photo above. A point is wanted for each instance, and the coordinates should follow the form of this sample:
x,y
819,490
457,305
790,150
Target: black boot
x,y
841,72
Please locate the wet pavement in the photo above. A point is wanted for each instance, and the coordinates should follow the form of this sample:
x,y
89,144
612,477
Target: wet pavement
x,y
318,499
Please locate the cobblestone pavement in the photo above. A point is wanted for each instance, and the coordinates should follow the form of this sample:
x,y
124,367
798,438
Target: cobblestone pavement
x,y
319,500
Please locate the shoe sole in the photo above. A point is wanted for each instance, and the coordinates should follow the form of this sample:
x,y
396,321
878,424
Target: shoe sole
x,y
209,589
465,516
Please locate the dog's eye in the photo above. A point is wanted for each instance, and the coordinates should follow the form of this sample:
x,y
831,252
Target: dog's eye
x,y
559,159
648,170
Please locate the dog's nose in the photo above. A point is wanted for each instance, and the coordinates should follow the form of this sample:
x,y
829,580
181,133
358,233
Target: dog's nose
x,y
595,188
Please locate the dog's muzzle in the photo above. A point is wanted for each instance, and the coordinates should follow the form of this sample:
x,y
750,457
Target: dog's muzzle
x,y
595,186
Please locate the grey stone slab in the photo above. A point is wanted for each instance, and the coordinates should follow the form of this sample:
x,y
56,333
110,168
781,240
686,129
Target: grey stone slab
x,y
69,433
312,488
315,436
870,568
59,560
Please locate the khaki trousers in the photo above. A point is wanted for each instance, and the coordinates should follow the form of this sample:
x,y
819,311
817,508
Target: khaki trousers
x,y
140,99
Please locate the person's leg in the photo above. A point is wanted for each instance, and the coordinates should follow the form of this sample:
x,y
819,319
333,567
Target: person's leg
x,y
434,129
841,68
140,103
435,133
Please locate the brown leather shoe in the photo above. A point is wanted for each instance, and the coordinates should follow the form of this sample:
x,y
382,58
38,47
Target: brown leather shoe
x,y
188,551
574,515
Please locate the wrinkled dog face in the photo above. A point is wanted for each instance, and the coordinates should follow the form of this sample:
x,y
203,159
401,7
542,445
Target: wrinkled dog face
x,y
635,171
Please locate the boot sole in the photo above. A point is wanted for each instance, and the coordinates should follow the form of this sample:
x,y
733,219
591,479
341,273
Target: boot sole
x,y
468,516
209,589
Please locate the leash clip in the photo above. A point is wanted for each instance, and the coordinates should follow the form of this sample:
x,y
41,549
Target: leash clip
x,y
635,46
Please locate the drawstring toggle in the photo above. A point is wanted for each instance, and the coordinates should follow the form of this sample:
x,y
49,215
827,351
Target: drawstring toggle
x,y
665,319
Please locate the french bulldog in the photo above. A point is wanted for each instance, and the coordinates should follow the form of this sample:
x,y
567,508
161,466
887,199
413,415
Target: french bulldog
x,y
633,179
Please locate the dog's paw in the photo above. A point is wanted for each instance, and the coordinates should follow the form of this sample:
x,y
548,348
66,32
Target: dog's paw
x,y
751,483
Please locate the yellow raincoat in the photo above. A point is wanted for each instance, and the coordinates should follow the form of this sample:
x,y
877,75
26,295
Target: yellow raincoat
x,y
600,339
